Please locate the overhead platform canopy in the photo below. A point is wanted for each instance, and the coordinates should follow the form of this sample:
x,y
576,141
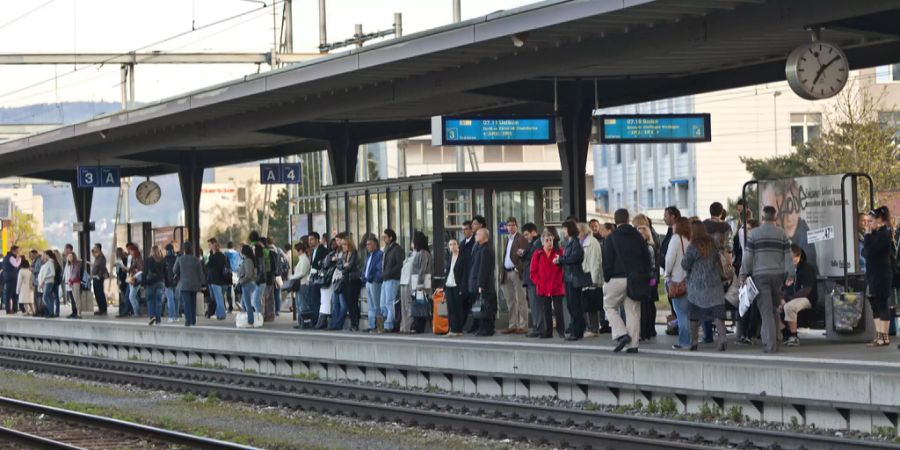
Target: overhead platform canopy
x,y
505,62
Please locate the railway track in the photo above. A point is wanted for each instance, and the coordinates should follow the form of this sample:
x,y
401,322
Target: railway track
x,y
486,417
34,426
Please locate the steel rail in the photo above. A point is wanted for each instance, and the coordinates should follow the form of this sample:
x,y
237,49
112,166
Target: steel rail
x,y
130,428
222,381
32,441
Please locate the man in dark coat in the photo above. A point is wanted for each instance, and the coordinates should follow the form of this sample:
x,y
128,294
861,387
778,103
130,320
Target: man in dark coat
x,y
481,281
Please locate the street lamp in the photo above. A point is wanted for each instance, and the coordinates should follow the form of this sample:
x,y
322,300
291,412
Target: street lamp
x,y
775,117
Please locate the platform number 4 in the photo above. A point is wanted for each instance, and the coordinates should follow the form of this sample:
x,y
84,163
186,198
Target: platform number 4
x,y
290,173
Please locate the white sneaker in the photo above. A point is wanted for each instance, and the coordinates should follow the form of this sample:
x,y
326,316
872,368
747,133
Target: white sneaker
x,y
170,320
792,341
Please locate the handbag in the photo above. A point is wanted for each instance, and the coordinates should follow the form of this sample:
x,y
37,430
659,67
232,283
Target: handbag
x,y
677,289
130,279
479,308
420,307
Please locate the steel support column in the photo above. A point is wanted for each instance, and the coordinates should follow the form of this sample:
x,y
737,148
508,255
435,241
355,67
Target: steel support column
x,y
575,120
343,156
84,198
190,177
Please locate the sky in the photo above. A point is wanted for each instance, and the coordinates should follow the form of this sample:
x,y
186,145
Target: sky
x,y
121,26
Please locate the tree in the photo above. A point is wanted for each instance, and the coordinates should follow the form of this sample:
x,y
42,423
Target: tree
x,y
854,141
234,222
26,233
278,218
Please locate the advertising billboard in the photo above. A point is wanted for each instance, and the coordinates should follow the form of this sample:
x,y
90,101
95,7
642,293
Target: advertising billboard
x,y
809,211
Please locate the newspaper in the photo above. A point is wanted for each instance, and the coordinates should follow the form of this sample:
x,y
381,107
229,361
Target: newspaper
x,y
747,295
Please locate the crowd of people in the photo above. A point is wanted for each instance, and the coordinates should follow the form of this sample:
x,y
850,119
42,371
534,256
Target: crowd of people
x,y
580,280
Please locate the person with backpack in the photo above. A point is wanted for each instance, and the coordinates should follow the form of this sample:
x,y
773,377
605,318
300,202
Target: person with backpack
x,y
189,273
219,276
721,234
234,262
10,276
282,272
173,300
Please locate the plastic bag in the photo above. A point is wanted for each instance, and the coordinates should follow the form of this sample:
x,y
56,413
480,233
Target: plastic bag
x,y
847,308
747,295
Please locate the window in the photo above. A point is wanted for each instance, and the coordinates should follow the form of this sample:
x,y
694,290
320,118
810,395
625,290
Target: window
x,y
618,155
650,202
512,153
890,120
493,154
805,127
887,74
603,203
649,152
553,207
242,195
604,159
634,152
242,212
682,148
457,207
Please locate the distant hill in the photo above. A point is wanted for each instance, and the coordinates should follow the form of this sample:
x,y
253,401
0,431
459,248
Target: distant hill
x,y
61,113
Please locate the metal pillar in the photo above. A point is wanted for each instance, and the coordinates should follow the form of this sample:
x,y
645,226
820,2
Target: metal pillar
x,y
323,35
84,198
575,120
190,177
343,155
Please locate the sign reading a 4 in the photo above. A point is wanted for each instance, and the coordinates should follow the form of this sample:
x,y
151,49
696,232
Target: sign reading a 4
x,y
279,174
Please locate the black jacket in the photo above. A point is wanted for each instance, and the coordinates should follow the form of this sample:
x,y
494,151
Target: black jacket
x,y
804,283
458,271
664,247
316,256
154,272
571,259
392,262
877,248
215,268
534,246
482,273
465,254
633,248
10,272
170,269
350,266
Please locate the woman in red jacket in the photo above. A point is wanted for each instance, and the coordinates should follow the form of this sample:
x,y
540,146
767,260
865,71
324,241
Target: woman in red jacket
x,y
548,282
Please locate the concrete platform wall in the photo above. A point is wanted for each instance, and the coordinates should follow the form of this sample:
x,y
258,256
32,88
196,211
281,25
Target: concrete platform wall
x,y
859,396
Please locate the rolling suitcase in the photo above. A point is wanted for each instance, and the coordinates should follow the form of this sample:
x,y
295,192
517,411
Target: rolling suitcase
x,y
439,322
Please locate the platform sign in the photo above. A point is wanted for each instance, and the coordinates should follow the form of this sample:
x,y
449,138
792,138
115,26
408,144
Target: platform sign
x,y
290,173
270,174
654,128
493,130
98,176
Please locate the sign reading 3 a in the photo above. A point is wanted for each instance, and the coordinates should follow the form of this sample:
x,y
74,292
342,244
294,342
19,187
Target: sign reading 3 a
x,y
279,174
98,176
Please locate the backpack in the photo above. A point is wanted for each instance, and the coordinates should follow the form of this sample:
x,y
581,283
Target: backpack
x,y
227,273
284,267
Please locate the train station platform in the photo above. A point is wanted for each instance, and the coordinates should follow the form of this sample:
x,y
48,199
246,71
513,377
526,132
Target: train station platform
x,y
828,384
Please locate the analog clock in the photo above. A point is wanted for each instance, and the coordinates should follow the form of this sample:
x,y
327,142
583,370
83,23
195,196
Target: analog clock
x,y
148,192
817,70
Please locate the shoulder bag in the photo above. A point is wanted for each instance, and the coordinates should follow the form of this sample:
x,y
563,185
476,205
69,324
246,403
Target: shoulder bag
x,y
479,308
678,288
421,308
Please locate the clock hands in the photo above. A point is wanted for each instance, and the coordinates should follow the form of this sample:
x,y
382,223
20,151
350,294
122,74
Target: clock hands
x,y
823,67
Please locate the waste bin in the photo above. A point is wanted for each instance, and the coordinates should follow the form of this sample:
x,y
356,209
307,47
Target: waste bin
x,y
837,303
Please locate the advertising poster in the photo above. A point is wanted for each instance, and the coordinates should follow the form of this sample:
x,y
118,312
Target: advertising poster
x,y
809,211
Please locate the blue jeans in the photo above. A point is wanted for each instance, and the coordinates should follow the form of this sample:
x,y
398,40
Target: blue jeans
x,y
682,311
219,297
154,299
257,297
339,310
189,301
389,291
248,293
134,297
173,303
48,302
55,296
373,293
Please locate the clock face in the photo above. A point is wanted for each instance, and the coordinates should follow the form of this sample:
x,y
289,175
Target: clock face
x,y
148,192
817,70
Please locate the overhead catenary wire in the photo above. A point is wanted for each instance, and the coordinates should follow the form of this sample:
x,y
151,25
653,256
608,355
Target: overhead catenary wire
x,y
144,47
25,14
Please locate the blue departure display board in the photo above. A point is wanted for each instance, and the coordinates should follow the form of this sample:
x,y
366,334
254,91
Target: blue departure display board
x,y
654,128
494,130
